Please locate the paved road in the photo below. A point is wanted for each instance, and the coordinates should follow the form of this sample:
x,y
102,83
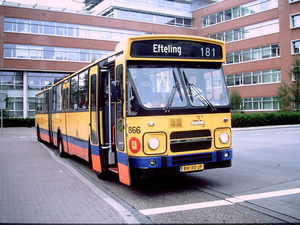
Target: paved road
x,y
262,186
38,187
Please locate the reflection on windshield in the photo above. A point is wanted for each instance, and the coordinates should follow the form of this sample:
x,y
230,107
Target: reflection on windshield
x,y
170,86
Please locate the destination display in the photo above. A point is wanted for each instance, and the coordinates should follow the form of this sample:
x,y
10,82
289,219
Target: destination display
x,y
176,49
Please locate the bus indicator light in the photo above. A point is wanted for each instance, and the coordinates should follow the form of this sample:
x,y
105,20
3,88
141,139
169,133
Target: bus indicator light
x,y
134,145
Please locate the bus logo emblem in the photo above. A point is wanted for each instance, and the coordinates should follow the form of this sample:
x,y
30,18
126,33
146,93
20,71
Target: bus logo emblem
x,y
134,145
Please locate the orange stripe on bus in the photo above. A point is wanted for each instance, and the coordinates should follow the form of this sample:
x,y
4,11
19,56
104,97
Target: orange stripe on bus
x,y
45,137
96,163
124,175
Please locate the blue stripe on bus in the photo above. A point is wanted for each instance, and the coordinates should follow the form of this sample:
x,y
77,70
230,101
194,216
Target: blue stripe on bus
x,y
95,150
122,158
44,131
166,161
144,162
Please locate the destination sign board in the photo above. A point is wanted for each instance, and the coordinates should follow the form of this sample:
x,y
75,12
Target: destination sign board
x,y
176,49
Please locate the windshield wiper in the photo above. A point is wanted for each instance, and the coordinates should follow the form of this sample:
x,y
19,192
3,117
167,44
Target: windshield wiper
x,y
198,94
188,86
171,97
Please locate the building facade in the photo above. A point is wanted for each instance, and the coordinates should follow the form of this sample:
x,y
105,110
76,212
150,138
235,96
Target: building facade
x,y
262,39
39,44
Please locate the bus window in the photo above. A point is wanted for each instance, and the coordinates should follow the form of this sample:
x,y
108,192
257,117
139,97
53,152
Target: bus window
x,y
65,93
57,98
154,84
119,116
209,82
83,91
93,92
74,93
45,106
39,102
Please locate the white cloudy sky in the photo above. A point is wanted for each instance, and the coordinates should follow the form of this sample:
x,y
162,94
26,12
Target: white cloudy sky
x,y
70,4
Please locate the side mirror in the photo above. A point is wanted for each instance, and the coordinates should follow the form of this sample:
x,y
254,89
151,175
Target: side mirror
x,y
115,91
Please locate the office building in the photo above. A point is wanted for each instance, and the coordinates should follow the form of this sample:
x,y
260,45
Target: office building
x,y
39,44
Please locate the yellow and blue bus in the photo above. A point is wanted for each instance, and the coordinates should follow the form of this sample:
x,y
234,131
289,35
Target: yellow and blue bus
x,y
157,105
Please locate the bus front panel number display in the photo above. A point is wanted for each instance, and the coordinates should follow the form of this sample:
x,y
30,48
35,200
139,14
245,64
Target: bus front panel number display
x,y
208,52
176,49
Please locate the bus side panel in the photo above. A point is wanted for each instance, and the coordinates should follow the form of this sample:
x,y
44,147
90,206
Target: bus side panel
x,y
123,168
43,124
83,134
96,159
77,134
56,125
58,128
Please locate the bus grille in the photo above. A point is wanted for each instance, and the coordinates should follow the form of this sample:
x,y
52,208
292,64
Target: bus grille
x,y
190,140
187,159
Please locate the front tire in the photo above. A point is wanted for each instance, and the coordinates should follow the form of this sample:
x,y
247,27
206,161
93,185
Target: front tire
x,y
103,175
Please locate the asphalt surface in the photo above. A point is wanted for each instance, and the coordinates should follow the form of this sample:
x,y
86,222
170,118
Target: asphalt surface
x,y
38,187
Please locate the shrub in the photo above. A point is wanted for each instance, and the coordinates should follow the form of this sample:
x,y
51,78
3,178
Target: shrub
x,y
264,119
18,122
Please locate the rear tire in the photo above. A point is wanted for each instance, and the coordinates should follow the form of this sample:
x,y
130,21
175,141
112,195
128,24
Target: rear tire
x,y
38,134
60,147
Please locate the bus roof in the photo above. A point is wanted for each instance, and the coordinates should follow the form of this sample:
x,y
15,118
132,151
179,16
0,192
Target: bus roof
x,y
125,47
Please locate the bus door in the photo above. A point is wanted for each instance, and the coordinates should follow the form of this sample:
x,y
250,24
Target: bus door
x,y
50,102
65,108
117,94
97,156
108,116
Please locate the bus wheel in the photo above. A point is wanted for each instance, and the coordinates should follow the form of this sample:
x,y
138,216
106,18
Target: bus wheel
x,y
38,134
103,175
60,147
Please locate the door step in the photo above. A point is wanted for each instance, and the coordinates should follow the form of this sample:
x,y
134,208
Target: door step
x,y
114,169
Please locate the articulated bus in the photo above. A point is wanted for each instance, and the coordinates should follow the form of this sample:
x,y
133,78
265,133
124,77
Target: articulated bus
x,y
157,105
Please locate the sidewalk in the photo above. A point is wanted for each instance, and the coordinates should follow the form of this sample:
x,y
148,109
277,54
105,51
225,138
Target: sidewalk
x,y
37,187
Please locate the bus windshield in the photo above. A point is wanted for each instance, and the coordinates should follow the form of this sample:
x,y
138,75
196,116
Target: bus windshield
x,y
165,85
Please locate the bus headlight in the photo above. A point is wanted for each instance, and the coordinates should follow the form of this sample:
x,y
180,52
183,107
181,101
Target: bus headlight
x,y
153,143
224,137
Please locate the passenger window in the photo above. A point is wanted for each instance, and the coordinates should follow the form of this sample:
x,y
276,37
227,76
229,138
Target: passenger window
x,y
83,90
74,93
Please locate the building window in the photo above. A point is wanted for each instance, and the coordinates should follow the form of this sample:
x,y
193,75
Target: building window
x,y
292,1
180,6
239,11
31,106
52,53
15,107
264,52
261,103
295,47
251,31
149,17
11,80
256,77
295,21
67,30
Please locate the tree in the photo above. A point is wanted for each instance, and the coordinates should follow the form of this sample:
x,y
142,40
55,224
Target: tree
x,y
289,94
285,97
295,86
236,100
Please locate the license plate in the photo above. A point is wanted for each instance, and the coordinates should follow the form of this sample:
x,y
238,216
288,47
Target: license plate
x,y
194,167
